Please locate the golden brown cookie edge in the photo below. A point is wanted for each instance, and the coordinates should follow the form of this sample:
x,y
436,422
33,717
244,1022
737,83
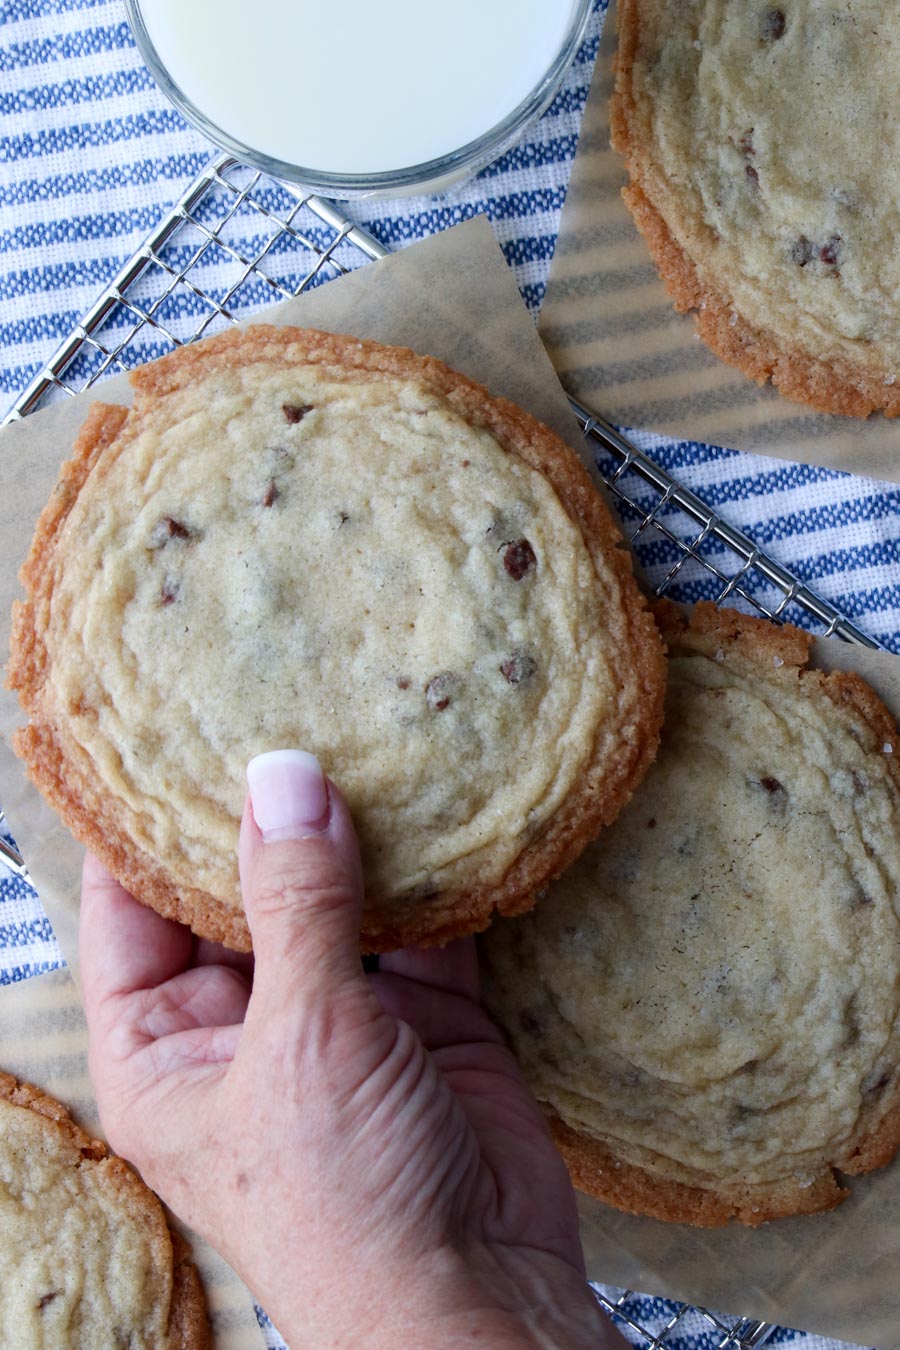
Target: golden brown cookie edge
x,y
597,1170
783,646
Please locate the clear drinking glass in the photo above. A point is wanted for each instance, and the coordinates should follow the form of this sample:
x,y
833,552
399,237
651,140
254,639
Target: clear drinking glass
x,y
434,175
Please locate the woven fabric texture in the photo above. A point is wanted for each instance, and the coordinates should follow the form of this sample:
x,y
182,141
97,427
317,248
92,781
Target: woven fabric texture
x,y
91,154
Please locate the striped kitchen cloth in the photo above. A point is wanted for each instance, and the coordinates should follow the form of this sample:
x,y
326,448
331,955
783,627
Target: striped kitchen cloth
x,y
90,156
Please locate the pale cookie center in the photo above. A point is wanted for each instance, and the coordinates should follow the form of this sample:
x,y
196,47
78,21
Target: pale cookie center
x,y
352,568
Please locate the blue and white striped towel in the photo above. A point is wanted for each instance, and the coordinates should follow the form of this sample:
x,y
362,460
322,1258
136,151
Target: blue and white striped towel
x,y
91,154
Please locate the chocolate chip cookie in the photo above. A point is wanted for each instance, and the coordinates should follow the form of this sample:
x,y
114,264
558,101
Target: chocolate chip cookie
x,y
298,539
88,1259
763,149
708,1002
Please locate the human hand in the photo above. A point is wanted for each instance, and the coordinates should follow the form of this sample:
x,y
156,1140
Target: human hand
x,y
362,1150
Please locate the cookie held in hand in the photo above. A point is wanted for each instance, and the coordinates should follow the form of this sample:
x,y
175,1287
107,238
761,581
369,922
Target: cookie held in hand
x,y
300,540
88,1258
763,150
709,1001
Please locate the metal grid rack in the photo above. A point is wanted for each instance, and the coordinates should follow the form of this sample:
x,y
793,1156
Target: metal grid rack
x,y
698,1326
203,268
707,558
10,856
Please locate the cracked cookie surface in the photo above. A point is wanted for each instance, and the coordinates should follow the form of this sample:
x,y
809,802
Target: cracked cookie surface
x,y
297,539
763,149
709,1000
88,1259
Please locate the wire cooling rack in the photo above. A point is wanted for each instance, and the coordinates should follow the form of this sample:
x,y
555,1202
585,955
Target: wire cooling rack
x,y
204,267
238,240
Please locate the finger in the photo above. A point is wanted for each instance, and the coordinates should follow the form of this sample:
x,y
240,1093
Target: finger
x,y
453,968
301,878
439,1017
204,996
214,954
130,956
123,946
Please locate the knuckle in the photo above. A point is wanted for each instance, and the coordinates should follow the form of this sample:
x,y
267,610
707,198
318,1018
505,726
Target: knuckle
x,y
300,884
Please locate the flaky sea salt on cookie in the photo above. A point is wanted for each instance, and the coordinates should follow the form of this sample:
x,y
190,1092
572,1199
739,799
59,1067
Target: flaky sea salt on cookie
x,y
709,1001
87,1257
300,540
763,146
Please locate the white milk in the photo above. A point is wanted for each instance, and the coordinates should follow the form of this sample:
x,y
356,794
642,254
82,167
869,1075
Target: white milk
x,y
356,86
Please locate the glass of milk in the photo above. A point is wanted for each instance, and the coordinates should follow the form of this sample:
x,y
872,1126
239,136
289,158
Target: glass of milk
x,y
357,98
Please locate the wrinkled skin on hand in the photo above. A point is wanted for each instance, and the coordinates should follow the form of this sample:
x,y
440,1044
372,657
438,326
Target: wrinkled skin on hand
x,y
361,1149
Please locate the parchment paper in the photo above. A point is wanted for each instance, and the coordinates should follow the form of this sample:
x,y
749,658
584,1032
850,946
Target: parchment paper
x,y
454,297
43,1040
619,346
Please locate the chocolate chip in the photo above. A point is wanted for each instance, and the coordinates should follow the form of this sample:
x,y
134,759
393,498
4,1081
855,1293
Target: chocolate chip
x,y
271,494
651,823
862,899
775,792
871,1086
47,1298
773,25
518,667
402,681
802,251
295,412
745,144
830,251
752,175
853,1034
518,558
426,890
167,528
169,591
438,691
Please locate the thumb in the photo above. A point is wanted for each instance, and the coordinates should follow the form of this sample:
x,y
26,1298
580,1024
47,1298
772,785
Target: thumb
x,y
301,877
